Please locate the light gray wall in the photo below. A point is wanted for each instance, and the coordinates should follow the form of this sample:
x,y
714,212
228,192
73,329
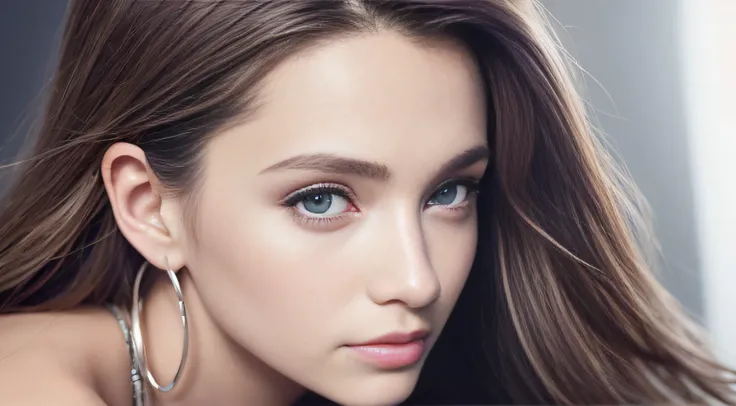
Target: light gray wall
x,y
28,38
632,48
708,61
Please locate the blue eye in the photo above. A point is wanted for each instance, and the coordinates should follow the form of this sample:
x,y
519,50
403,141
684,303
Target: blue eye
x,y
317,203
322,204
451,194
320,201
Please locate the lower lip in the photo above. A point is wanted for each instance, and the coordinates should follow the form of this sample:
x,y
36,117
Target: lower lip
x,y
391,356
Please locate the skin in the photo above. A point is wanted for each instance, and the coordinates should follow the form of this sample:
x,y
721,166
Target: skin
x,y
273,294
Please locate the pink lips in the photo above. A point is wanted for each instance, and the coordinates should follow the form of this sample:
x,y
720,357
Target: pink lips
x,y
393,351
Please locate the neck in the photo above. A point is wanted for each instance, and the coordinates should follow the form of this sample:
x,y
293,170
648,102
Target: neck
x,y
217,370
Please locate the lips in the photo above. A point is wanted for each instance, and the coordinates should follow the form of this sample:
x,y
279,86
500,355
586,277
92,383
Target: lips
x,y
397,338
392,351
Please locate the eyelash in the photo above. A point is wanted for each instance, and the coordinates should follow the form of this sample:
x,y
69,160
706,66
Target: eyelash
x,y
323,188
472,185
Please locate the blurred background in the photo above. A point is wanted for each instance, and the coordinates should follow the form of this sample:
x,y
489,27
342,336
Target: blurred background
x,y
660,76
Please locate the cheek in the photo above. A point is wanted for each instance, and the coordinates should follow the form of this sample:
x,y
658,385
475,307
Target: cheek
x,y
452,250
267,283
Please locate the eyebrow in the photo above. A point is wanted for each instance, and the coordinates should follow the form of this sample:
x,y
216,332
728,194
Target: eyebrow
x,y
330,163
463,160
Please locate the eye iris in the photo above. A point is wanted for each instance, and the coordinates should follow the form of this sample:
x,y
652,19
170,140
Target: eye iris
x,y
318,203
446,196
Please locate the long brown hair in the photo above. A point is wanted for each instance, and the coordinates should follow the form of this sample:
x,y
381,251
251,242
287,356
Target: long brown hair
x,y
560,306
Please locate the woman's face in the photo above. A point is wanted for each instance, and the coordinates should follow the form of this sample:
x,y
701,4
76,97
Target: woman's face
x,y
344,211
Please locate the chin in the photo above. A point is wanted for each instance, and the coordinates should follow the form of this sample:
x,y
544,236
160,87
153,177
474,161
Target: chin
x,y
381,389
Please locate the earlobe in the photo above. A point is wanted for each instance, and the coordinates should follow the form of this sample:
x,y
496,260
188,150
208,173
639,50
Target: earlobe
x,y
136,202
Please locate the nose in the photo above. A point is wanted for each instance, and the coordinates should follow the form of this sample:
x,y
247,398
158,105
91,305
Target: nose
x,y
406,274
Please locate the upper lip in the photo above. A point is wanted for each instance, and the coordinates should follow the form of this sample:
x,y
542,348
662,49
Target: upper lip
x,y
396,338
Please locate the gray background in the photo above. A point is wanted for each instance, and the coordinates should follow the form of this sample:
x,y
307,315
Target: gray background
x,y
635,50
631,48
29,34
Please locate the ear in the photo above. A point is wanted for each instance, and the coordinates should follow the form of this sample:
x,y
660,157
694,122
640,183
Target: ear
x,y
134,194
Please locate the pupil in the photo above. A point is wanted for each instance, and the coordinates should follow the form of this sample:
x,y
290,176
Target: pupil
x,y
447,195
318,204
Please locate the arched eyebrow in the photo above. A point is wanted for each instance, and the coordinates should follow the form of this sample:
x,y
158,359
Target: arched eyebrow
x,y
330,163
463,160
335,164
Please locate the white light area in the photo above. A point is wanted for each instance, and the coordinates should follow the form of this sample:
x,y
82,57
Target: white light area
x,y
708,40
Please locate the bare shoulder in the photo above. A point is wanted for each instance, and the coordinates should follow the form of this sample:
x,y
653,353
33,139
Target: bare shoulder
x,y
76,357
45,387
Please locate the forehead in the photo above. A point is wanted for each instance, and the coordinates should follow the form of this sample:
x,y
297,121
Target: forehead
x,y
378,96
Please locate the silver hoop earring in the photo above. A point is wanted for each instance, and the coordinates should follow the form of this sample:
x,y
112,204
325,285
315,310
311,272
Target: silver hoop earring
x,y
138,348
